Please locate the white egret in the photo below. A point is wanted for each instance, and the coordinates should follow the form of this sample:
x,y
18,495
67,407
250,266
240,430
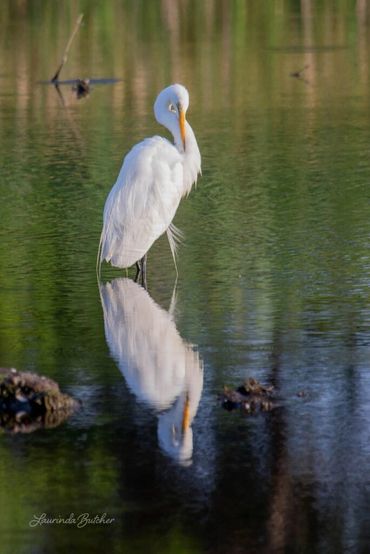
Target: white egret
x,y
155,175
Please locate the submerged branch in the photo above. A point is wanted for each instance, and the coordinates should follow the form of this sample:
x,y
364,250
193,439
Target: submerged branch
x,y
65,55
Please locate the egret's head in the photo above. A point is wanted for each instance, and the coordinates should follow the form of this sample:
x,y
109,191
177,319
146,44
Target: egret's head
x,y
171,104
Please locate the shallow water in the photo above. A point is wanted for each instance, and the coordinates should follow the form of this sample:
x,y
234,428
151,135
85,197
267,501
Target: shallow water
x,y
273,279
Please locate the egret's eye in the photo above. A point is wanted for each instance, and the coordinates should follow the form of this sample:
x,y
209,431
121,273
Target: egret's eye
x,y
172,108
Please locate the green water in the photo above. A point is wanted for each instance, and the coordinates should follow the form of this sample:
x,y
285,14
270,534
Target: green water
x,y
273,278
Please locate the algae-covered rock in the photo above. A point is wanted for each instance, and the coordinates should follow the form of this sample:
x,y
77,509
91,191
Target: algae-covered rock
x,y
29,401
251,397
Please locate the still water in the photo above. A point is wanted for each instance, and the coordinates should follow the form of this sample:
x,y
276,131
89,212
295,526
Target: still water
x,y
273,279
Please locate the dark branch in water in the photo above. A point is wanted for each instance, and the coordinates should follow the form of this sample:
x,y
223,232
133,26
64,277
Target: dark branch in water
x,y
65,55
56,85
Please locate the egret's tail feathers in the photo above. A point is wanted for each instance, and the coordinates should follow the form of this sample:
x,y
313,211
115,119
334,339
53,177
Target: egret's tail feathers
x,y
175,237
98,260
104,245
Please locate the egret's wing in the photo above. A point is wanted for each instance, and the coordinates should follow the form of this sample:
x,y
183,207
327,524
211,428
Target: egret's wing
x,y
143,201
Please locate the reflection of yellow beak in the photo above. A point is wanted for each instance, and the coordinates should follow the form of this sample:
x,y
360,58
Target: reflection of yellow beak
x,y
186,416
182,125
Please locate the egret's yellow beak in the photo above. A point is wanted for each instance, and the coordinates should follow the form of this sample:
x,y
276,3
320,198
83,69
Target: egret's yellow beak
x,y
182,125
186,416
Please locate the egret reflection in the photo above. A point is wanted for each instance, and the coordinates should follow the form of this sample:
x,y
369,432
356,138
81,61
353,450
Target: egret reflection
x,y
159,367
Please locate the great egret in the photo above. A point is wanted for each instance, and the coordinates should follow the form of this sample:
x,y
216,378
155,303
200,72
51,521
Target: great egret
x,y
160,368
155,175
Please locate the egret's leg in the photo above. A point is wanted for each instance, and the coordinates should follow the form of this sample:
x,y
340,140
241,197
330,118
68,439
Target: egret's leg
x,y
143,264
143,271
138,271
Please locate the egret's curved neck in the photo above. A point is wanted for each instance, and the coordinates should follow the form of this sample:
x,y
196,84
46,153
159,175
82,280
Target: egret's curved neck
x,y
191,154
170,121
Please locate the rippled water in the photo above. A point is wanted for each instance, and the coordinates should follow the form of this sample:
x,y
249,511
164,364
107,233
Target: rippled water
x,y
273,280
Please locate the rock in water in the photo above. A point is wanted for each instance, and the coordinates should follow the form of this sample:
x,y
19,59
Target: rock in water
x,y
251,397
81,88
29,401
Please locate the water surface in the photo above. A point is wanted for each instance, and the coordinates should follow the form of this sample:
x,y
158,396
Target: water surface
x,y
274,279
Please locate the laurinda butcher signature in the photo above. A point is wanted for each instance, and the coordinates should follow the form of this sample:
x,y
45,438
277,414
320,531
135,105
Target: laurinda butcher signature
x,y
79,520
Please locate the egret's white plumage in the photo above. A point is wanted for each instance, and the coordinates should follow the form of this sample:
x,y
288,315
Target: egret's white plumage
x,y
155,175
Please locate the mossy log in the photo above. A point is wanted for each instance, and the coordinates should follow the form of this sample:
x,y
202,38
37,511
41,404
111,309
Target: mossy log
x,y
251,397
29,401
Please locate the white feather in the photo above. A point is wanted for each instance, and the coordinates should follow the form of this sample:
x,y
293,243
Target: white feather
x,y
175,237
